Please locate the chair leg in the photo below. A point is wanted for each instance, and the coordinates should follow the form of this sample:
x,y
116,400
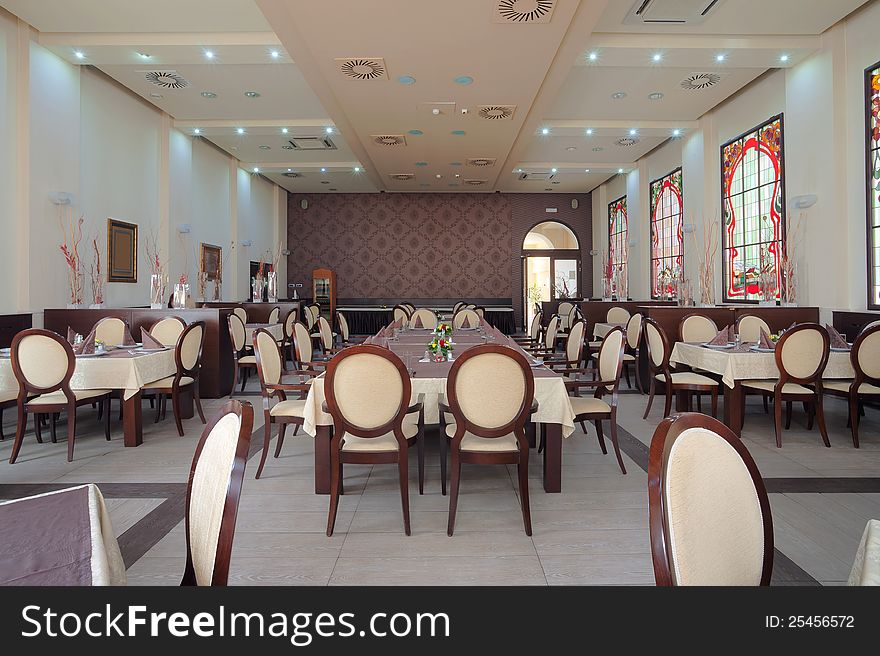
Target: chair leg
x,y
71,429
614,442
267,436
651,391
854,418
443,444
600,436
766,407
522,468
420,445
19,433
667,406
715,402
198,401
38,428
175,406
788,405
52,422
777,419
282,429
453,492
107,419
808,408
334,485
244,377
626,375
403,470
820,417
235,375
158,408
638,375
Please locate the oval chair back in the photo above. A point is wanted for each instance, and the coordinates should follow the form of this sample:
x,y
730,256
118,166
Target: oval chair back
x,y
535,326
865,355
213,493
697,328
241,313
269,362
481,311
237,333
564,311
658,347
42,362
289,320
342,322
111,331
458,306
550,333
634,331
302,344
401,313
326,333
574,344
802,353
311,315
611,359
617,314
709,514
274,315
188,351
749,328
167,330
473,319
427,318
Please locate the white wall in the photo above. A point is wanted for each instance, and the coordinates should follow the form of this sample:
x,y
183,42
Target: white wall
x,y
120,157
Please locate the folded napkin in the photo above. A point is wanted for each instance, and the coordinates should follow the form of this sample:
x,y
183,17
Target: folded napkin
x,y
149,341
721,339
765,341
837,340
383,342
418,323
71,335
127,339
466,323
88,344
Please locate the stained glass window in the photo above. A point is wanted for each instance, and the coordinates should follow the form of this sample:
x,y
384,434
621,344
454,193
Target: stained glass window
x,y
667,239
617,225
872,97
753,209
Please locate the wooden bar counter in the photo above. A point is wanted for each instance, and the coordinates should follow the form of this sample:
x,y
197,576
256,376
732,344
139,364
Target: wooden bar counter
x,y
258,312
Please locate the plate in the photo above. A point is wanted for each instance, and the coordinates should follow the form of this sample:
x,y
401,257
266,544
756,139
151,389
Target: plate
x,y
150,350
761,349
720,347
840,349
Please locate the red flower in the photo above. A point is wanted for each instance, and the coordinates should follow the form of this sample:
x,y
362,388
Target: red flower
x,y
442,343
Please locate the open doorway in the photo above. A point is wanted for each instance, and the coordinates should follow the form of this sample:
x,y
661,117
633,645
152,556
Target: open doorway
x,y
551,267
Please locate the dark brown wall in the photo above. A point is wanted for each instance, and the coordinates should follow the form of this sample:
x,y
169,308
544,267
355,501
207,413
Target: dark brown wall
x,y
425,245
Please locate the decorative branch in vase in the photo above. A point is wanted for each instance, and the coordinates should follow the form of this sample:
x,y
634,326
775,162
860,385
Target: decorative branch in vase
x,y
158,277
706,253
258,284
71,230
96,276
789,261
272,276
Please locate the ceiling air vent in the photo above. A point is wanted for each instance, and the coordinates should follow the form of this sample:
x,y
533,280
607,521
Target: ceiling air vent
x,y
700,81
524,11
166,79
475,183
312,143
362,68
537,175
402,177
627,141
496,112
481,161
388,139
671,12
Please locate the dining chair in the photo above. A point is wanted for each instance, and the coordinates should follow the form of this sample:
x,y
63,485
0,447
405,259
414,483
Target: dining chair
x,y
548,346
285,411
490,391
315,311
286,344
241,313
697,329
595,408
43,364
801,355
310,316
632,344
457,306
303,351
427,318
708,511
686,382
473,319
565,308
574,350
368,390
213,492
534,336
617,314
749,328
167,330
111,331
865,359
401,313
344,331
243,362
481,311
274,315
325,336
188,363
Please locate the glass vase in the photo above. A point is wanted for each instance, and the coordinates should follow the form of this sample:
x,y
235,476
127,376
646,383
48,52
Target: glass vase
x,y
257,286
158,283
218,284
272,286
181,295
789,283
607,288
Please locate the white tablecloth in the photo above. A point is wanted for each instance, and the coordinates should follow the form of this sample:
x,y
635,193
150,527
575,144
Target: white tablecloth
x,y
866,568
748,365
108,372
602,329
275,329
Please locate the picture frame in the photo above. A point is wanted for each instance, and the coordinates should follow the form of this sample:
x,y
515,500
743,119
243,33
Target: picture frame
x,y
122,251
211,261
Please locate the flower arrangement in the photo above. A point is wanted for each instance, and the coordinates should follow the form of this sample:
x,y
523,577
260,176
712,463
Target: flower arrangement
x,y
443,330
71,230
440,348
96,275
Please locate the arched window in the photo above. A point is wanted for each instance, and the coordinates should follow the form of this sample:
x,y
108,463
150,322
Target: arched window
x,y
667,239
617,229
550,235
753,208
551,266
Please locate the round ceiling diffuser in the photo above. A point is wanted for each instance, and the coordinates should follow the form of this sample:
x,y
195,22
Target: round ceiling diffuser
x,y
496,112
361,68
627,141
402,176
481,161
389,139
474,183
292,174
525,11
166,79
698,81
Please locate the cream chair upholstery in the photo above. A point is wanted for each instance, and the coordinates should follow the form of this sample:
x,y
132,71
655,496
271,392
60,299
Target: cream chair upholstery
x,y
401,313
618,315
749,328
274,315
241,313
213,494
325,334
243,362
549,343
865,358
427,318
564,311
472,317
697,328
168,330
111,331
709,514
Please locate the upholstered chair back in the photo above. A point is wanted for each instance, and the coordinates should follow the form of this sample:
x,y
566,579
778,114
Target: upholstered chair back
x,y
326,333
634,330
535,326
866,352
268,358
274,315
574,344
237,332
111,331
289,320
617,314
368,387
401,313
656,343
749,328
303,343
611,356
552,330
241,313
802,352
564,312
41,359
343,326
472,317
427,317
697,328
167,330
189,346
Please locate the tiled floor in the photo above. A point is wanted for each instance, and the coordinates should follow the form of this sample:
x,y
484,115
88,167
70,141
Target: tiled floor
x,y
595,532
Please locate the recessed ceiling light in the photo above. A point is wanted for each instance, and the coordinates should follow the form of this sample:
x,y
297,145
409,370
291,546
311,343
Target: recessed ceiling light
x,y
284,130
676,132
620,170
357,169
289,170
655,96
208,94
548,189
328,130
196,131
406,79
719,58
438,176
143,55
458,175
545,130
256,169
325,182
586,170
571,148
618,95
633,132
252,94
416,133
264,147
275,54
553,170
593,56
589,131
458,133
464,79
323,170
783,58
519,170
240,130
555,182
657,57
209,54
79,55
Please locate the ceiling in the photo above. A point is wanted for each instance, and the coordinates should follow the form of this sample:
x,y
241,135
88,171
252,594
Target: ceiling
x,y
397,87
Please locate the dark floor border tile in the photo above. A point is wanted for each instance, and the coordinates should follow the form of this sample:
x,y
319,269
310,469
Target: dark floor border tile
x,y
840,485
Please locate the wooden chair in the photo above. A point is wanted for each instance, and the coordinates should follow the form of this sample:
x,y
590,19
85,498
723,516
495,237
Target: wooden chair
x,y
697,329
801,355
617,314
749,328
344,332
43,364
167,330
213,492
574,350
313,311
286,411
286,344
481,311
610,362
427,318
865,358
681,381
457,306
241,313
548,345
325,337
490,391
243,362
401,313
274,315
564,312
188,360
111,331
368,393
631,351
472,317
304,354
708,511
533,339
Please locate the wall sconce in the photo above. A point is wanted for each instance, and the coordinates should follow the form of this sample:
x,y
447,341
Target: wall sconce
x,y
687,228
594,252
184,228
247,242
803,202
61,197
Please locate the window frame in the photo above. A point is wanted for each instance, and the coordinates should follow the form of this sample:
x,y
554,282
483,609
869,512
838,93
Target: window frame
x,y
870,191
652,259
625,232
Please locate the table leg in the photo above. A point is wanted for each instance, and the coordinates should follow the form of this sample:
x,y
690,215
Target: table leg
x,y
552,458
132,423
186,403
682,402
322,459
733,400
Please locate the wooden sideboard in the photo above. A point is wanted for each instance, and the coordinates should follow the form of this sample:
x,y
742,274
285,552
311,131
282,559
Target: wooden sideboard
x,y
777,317
258,312
597,311
10,324
215,380
851,323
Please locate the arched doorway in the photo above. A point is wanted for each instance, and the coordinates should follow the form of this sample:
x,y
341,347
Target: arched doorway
x,y
551,266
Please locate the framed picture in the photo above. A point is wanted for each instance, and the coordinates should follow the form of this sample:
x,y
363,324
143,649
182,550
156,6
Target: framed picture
x,y
212,261
122,248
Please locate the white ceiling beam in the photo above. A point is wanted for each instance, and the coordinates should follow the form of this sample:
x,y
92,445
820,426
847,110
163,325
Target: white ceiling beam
x,y
158,39
704,41
301,166
581,124
249,123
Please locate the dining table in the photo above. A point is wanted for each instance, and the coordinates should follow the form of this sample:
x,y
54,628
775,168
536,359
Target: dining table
x,y
126,369
59,538
736,363
866,566
603,328
275,329
554,412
